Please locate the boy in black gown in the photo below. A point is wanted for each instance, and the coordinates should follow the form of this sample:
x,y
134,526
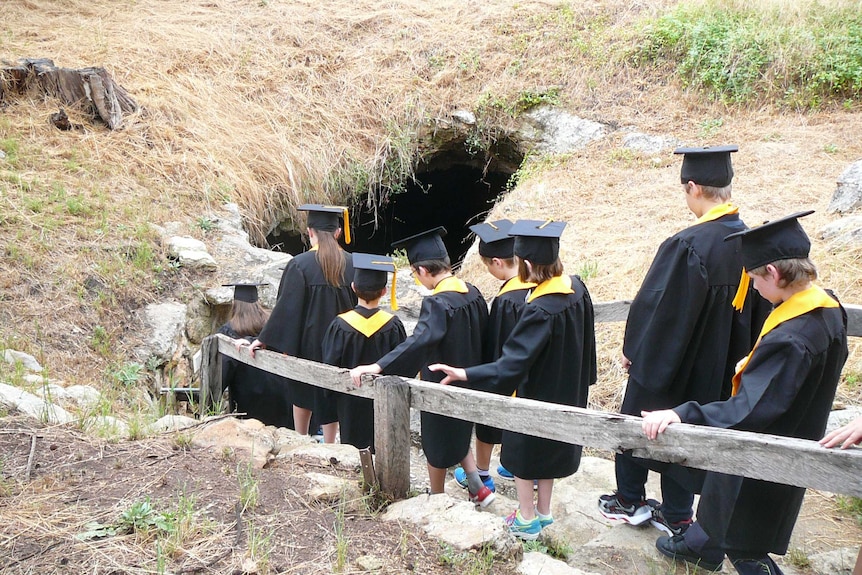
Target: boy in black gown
x,y
784,387
687,327
451,325
361,336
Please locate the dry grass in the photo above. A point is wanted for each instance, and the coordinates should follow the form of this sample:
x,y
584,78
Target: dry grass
x,y
274,103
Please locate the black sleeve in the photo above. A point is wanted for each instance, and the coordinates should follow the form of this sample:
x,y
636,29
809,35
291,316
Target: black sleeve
x,y
283,330
411,355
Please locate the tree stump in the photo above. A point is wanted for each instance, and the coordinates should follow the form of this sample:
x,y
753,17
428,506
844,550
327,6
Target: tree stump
x,y
91,89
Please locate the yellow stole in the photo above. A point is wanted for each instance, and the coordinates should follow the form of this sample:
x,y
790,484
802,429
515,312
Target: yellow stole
x,y
557,284
451,283
366,326
717,212
513,284
796,305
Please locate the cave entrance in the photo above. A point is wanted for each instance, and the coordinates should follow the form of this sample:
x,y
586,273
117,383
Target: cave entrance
x,y
451,189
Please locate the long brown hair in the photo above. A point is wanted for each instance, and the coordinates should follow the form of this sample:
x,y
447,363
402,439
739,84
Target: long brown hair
x,y
247,318
330,257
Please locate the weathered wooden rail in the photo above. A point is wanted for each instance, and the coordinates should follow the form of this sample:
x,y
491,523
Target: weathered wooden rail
x,y
768,457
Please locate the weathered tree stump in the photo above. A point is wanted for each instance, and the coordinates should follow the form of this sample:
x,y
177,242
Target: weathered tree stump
x,y
91,89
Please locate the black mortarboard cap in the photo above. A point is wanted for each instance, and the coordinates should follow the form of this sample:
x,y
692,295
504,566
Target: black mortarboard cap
x,y
537,240
245,292
327,218
370,274
494,239
424,246
780,239
709,166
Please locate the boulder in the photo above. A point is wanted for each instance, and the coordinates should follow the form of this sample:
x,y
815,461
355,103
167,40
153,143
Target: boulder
x,y
848,195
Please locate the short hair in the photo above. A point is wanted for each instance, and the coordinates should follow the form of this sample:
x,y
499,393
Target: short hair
x,y
715,193
510,262
791,271
541,272
434,267
370,295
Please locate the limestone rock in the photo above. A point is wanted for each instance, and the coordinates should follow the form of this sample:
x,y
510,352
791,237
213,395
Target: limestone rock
x,y
436,514
27,361
369,563
333,490
536,563
557,131
848,195
326,455
191,252
164,326
17,399
107,426
844,231
83,395
835,562
649,144
171,423
248,439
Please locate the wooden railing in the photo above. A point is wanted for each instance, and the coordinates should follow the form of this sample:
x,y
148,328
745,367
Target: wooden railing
x,y
768,457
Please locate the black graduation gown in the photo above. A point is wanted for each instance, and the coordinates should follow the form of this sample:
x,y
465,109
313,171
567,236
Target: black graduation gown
x,y
260,394
450,329
305,306
505,311
549,356
787,389
683,335
344,346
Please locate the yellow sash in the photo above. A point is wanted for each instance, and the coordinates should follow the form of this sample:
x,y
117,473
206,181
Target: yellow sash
x,y
796,305
717,212
513,284
366,326
451,283
557,284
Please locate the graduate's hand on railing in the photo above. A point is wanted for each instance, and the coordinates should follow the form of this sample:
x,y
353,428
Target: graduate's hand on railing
x,y
625,363
847,436
656,422
254,346
452,373
357,372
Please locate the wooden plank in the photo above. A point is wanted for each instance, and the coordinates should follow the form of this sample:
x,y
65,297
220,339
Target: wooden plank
x,y
319,374
760,456
392,435
211,383
854,319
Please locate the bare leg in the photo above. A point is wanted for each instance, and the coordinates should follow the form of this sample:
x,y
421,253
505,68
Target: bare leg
x,y
468,463
330,431
301,419
524,487
483,454
546,488
437,477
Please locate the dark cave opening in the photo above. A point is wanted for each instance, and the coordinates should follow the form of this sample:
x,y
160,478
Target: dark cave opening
x,y
452,189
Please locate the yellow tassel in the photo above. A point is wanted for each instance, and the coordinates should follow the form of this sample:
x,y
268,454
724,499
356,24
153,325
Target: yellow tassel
x,y
741,291
346,227
393,303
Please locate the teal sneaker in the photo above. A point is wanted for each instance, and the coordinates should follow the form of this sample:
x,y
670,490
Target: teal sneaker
x,y
545,520
461,478
523,529
504,473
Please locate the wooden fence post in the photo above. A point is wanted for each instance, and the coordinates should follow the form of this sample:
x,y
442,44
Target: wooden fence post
x,y
211,384
392,435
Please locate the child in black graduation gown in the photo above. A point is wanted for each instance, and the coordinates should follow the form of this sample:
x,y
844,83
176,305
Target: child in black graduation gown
x,y
361,336
784,387
314,288
549,356
450,328
497,250
257,393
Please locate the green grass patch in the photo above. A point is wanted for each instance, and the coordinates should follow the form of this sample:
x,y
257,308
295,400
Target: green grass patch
x,y
800,55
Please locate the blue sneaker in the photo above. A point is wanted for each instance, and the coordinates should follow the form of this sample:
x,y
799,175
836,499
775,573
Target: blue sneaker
x,y
504,473
544,520
461,478
523,529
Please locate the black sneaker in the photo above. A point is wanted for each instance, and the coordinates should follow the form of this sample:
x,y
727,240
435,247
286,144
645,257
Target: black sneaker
x,y
675,548
612,507
660,522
